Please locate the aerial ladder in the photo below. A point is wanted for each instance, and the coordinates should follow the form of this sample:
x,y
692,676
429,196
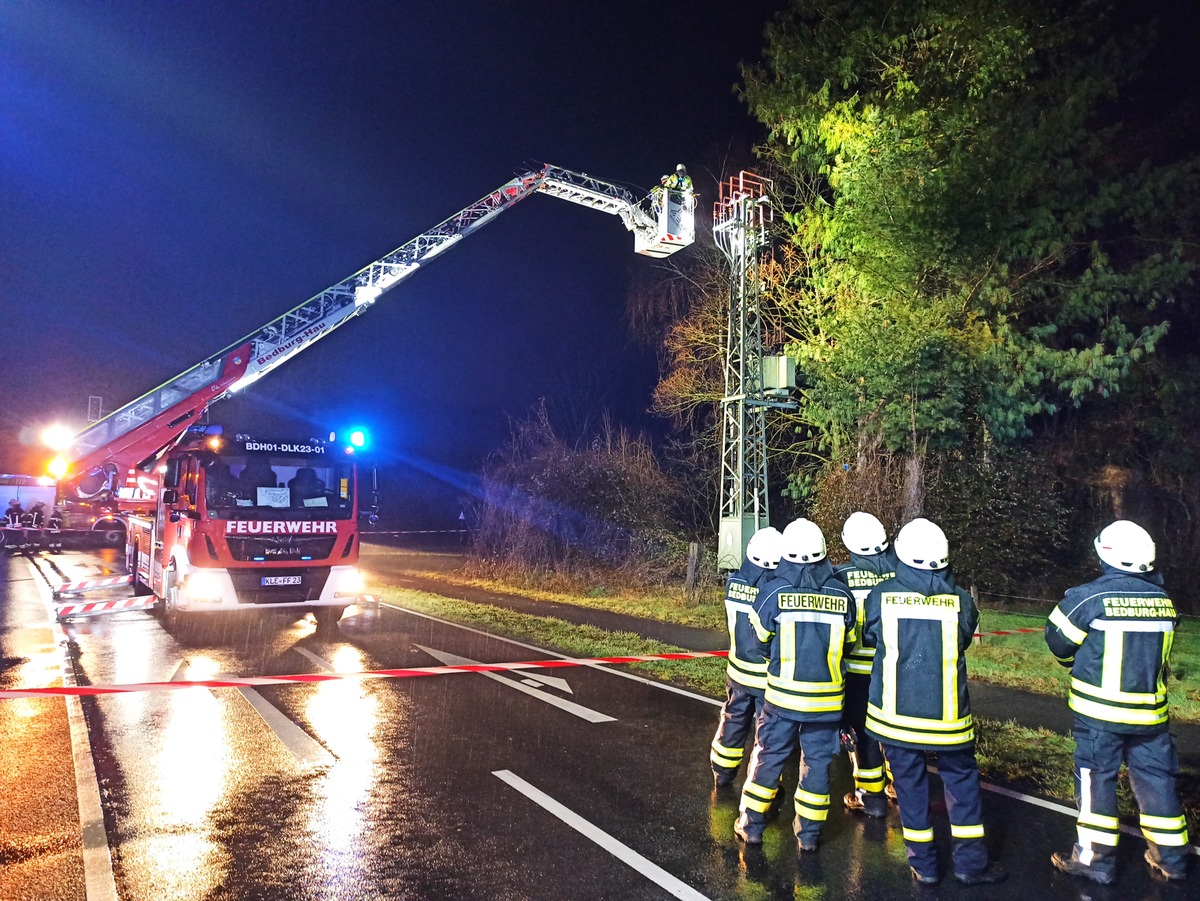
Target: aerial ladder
x,y
103,460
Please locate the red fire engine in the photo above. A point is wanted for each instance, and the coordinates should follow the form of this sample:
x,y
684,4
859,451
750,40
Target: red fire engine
x,y
249,522
149,469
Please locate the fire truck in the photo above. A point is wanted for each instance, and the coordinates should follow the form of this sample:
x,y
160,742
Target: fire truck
x,y
151,469
246,521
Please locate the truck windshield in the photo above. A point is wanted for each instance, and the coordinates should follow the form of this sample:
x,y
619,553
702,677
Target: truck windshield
x,y
279,485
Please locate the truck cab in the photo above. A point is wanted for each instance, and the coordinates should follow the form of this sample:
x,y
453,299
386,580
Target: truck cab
x,y
246,523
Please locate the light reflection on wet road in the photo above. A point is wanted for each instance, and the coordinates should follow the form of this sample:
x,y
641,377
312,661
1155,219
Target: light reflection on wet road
x,y
205,799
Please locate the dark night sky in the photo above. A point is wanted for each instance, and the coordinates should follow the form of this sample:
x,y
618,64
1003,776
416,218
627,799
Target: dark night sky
x,y
176,174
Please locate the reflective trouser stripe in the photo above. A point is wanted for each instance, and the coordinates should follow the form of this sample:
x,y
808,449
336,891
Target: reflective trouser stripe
x,y
726,758
1089,837
918,835
757,797
870,780
975,831
1099,821
1171,831
812,806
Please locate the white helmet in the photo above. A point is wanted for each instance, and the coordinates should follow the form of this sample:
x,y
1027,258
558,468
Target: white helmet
x,y
863,534
922,545
1127,546
803,542
765,547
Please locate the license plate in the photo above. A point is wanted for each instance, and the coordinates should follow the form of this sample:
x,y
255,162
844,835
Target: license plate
x,y
280,580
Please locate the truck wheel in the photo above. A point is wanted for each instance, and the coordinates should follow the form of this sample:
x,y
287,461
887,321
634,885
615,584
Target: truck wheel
x,y
168,607
112,534
327,618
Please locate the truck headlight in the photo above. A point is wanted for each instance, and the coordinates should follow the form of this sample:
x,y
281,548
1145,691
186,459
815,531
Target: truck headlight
x,y
350,583
203,586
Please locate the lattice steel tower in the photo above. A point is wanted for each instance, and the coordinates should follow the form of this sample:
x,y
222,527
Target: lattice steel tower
x,y
741,218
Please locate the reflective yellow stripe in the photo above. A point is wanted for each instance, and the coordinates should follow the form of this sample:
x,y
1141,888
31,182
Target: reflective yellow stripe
x,y
949,669
757,797
1115,695
828,703
869,785
1089,837
727,758
966,831
1111,665
919,722
812,813
759,682
1117,714
1152,822
917,835
962,736
1170,839
811,798
1099,820
1070,631
890,626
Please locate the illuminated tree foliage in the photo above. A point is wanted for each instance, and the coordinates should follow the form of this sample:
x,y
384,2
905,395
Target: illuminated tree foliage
x,y
986,242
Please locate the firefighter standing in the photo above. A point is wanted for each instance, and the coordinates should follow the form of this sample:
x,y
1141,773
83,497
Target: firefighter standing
x,y
12,516
746,672
920,624
679,180
809,617
1116,633
871,561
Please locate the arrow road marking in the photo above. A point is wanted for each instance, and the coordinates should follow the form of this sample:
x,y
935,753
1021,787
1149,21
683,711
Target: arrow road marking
x,y
584,713
548,681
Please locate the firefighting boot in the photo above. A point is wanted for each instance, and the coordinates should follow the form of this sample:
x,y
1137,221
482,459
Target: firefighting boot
x,y
1159,869
1101,871
991,874
805,840
873,804
749,832
723,776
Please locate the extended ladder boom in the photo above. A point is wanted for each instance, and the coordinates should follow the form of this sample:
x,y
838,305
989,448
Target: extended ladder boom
x,y
139,430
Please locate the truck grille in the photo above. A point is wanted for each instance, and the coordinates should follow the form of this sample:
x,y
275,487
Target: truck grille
x,y
282,547
250,590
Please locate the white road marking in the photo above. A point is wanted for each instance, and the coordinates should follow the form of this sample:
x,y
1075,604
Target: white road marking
x,y
549,681
606,668
99,884
318,660
622,852
303,746
584,713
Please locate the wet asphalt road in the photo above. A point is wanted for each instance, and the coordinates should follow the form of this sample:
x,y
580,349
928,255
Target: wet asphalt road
x,y
447,787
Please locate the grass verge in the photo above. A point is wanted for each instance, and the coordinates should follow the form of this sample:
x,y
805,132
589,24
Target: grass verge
x,y
1036,761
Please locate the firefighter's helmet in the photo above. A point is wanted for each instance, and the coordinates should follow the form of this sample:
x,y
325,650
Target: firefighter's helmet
x,y
864,534
765,548
922,545
1127,546
803,542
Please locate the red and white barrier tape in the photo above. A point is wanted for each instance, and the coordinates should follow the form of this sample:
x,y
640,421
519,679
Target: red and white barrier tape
x,y
88,584
91,607
259,681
